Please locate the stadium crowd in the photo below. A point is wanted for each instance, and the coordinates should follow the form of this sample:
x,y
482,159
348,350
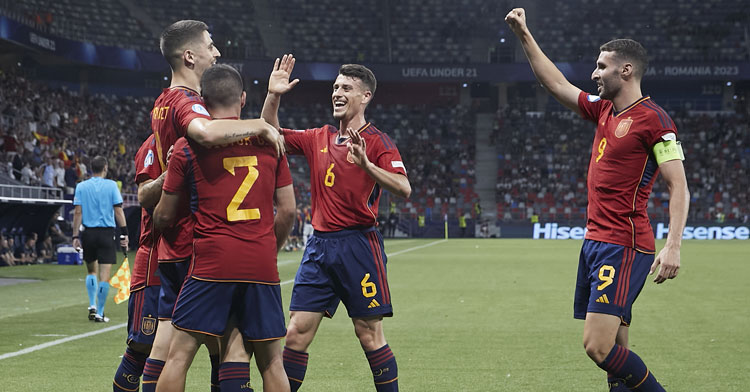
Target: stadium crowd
x,y
400,32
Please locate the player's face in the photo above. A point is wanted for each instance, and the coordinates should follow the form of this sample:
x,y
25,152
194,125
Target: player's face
x,y
607,75
349,97
205,53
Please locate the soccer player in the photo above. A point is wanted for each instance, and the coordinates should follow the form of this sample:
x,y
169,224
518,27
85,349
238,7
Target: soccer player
x,y
178,112
635,139
233,278
344,260
98,204
144,286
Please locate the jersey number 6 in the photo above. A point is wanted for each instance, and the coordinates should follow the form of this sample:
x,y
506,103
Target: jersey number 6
x,y
368,288
330,177
234,213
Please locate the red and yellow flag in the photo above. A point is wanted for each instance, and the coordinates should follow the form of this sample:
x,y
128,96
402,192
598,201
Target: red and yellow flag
x,y
121,281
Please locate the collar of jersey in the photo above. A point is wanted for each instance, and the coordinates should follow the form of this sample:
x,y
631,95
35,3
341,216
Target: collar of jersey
x,y
184,88
632,105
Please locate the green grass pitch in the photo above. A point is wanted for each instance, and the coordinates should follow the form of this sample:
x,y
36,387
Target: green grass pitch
x,y
470,315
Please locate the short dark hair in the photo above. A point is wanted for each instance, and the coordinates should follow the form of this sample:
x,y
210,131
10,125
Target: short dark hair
x,y
177,36
98,164
221,86
629,50
362,73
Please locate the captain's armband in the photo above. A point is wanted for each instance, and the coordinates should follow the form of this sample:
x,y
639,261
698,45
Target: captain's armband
x,y
669,149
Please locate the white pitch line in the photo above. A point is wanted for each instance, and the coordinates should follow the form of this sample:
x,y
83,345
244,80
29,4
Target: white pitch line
x,y
415,248
114,327
60,341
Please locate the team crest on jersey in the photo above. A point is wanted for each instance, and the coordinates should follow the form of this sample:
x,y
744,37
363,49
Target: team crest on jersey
x,y
198,108
148,325
149,159
623,127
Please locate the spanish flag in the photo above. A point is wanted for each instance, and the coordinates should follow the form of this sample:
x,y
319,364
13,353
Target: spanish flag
x,y
121,281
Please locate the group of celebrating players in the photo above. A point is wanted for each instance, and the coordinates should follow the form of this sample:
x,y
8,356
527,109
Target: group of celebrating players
x,y
218,205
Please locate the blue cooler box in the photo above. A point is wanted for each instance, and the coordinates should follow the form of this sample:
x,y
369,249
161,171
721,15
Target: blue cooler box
x,y
68,255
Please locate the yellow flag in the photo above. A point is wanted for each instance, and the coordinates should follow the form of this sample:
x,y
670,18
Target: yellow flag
x,y
121,281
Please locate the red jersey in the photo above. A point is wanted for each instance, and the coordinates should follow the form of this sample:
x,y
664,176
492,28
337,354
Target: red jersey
x,y
231,193
172,113
145,264
622,169
343,195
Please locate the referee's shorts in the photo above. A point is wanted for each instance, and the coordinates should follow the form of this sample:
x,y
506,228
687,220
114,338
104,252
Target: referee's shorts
x,y
99,243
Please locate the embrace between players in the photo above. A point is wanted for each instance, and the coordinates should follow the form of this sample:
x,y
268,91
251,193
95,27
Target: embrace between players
x,y
209,184
208,219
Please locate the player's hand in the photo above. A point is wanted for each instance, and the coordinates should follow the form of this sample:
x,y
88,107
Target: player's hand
x,y
668,261
357,148
278,82
76,243
169,153
124,241
273,137
516,19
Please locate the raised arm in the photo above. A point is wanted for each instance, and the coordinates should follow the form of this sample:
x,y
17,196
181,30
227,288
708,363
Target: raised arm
x,y
286,211
673,173
278,85
544,69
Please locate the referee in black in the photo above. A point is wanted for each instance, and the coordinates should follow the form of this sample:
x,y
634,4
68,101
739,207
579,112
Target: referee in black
x,y
98,204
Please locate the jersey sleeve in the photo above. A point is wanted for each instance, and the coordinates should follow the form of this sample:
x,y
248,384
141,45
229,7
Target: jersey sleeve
x,y
175,179
76,197
144,162
298,141
116,196
590,105
283,175
187,111
388,157
659,125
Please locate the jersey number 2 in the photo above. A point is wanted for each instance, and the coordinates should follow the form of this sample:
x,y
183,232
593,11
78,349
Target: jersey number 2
x,y
234,213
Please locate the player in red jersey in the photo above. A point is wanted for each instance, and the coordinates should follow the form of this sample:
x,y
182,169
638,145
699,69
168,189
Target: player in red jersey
x,y
233,277
635,140
144,284
178,112
344,259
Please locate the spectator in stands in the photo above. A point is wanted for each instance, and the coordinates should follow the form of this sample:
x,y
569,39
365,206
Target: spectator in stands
x,y
28,176
48,174
6,253
59,174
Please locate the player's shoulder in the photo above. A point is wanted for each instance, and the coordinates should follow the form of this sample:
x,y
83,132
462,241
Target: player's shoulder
x,y
654,113
369,131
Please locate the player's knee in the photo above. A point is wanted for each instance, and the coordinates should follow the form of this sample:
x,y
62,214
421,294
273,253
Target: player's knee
x,y
298,337
596,350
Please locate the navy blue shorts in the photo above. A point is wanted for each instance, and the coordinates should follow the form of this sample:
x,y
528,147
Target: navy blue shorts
x,y
345,266
206,307
143,315
610,277
172,276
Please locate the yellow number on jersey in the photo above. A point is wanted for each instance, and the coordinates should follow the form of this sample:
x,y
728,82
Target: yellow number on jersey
x,y
328,181
602,146
606,275
368,288
234,213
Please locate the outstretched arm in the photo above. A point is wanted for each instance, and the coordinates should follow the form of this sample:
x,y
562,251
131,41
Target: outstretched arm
x,y
394,182
220,132
278,85
544,69
668,259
